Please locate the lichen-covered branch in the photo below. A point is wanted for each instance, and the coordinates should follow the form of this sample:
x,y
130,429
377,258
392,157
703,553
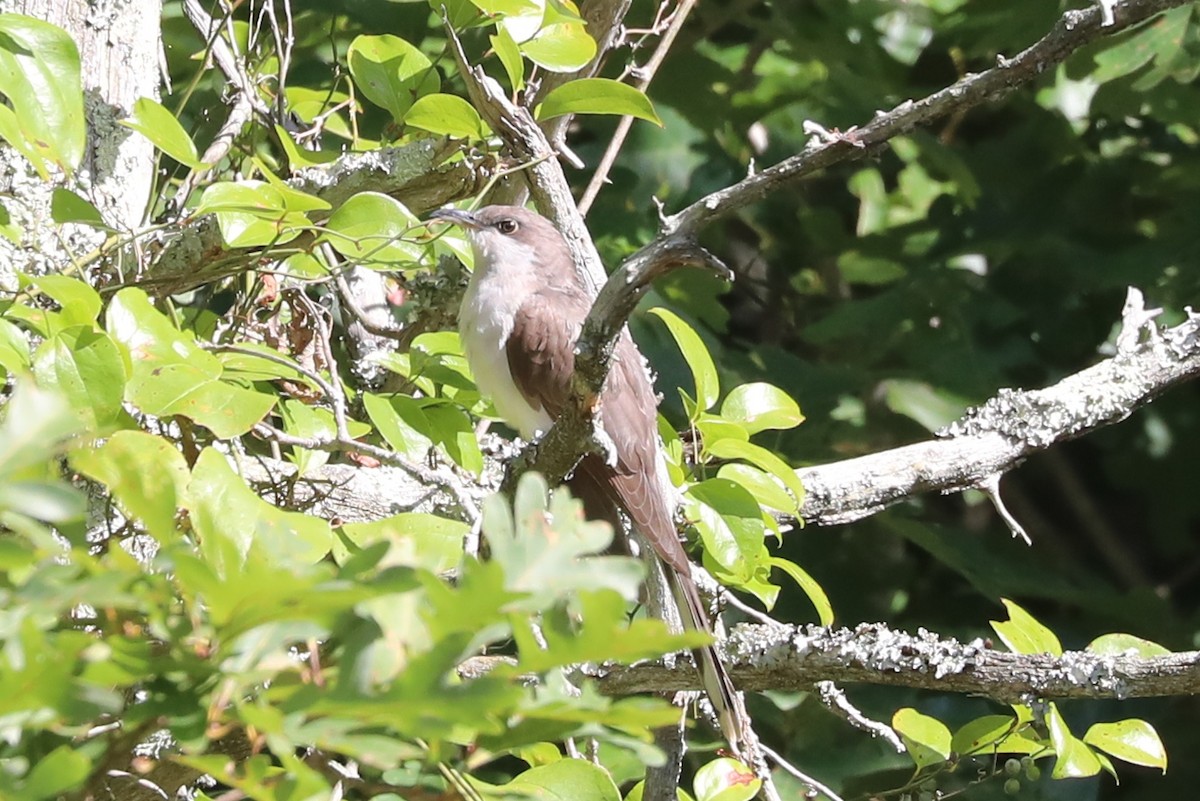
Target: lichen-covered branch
x,y
798,658
792,658
993,438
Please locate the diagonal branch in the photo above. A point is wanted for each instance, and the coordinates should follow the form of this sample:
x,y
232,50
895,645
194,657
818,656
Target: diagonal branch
x,y
1074,29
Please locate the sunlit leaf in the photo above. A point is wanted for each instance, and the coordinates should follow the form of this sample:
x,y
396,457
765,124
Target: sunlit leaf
x,y
162,128
1023,634
597,96
704,372
1131,740
927,738
390,72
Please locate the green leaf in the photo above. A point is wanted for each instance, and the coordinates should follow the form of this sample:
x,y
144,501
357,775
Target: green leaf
x,y
448,115
704,372
927,739
766,490
39,74
725,779
36,423
1131,740
1075,759
1023,634
161,127
1161,39
402,422
574,779
561,47
172,375
68,207
417,540
760,406
62,769
145,474
230,518
80,304
390,72
763,459
931,407
8,229
729,522
258,213
541,546
993,734
597,96
14,349
510,57
371,228
814,591
85,367
1122,644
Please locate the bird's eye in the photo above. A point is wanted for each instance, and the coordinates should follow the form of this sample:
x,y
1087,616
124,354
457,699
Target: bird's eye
x,y
507,226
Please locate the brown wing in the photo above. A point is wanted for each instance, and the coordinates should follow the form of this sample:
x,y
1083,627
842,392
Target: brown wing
x,y
541,359
541,347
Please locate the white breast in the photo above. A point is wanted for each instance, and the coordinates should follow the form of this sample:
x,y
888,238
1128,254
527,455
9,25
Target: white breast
x,y
485,321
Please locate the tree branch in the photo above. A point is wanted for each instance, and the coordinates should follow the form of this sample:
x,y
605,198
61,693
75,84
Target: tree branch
x,y
1073,30
798,658
995,437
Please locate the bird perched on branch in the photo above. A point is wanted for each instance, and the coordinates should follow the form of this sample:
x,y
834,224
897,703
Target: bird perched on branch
x,y
519,321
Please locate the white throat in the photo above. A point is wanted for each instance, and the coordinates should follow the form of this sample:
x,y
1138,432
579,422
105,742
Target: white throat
x,y
485,322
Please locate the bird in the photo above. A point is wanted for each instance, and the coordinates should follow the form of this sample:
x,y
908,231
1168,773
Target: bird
x,y
520,317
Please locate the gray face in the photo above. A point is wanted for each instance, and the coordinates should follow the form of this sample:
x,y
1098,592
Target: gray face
x,y
509,237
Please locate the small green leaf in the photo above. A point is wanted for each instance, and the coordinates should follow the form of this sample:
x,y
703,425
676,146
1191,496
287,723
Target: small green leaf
x,y
80,304
1075,759
704,372
814,591
390,72
1023,634
448,115
14,349
145,474
760,406
230,519
993,734
1131,740
417,539
39,66
152,120
68,207
575,779
730,524
598,96
725,779
402,423
62,769
8,229
762,458
86,367
510,57
371,228
927,739
766,490
1121,644
561,47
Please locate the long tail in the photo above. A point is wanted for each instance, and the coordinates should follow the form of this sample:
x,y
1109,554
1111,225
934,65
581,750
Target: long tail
x,y
726,702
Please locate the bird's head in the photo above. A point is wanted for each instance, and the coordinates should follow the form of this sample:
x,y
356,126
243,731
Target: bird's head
x,y
508,235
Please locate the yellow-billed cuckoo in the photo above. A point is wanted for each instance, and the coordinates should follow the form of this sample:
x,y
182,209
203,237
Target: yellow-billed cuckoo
x,y
521,315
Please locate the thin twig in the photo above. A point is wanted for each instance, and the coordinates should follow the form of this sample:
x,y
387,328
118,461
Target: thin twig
x,y
600,177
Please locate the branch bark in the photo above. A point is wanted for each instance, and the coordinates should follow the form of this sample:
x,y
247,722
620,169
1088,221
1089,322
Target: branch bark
x,y
1074,29
797,658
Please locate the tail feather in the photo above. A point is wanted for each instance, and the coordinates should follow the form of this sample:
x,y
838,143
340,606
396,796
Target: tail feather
x,y
726,702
